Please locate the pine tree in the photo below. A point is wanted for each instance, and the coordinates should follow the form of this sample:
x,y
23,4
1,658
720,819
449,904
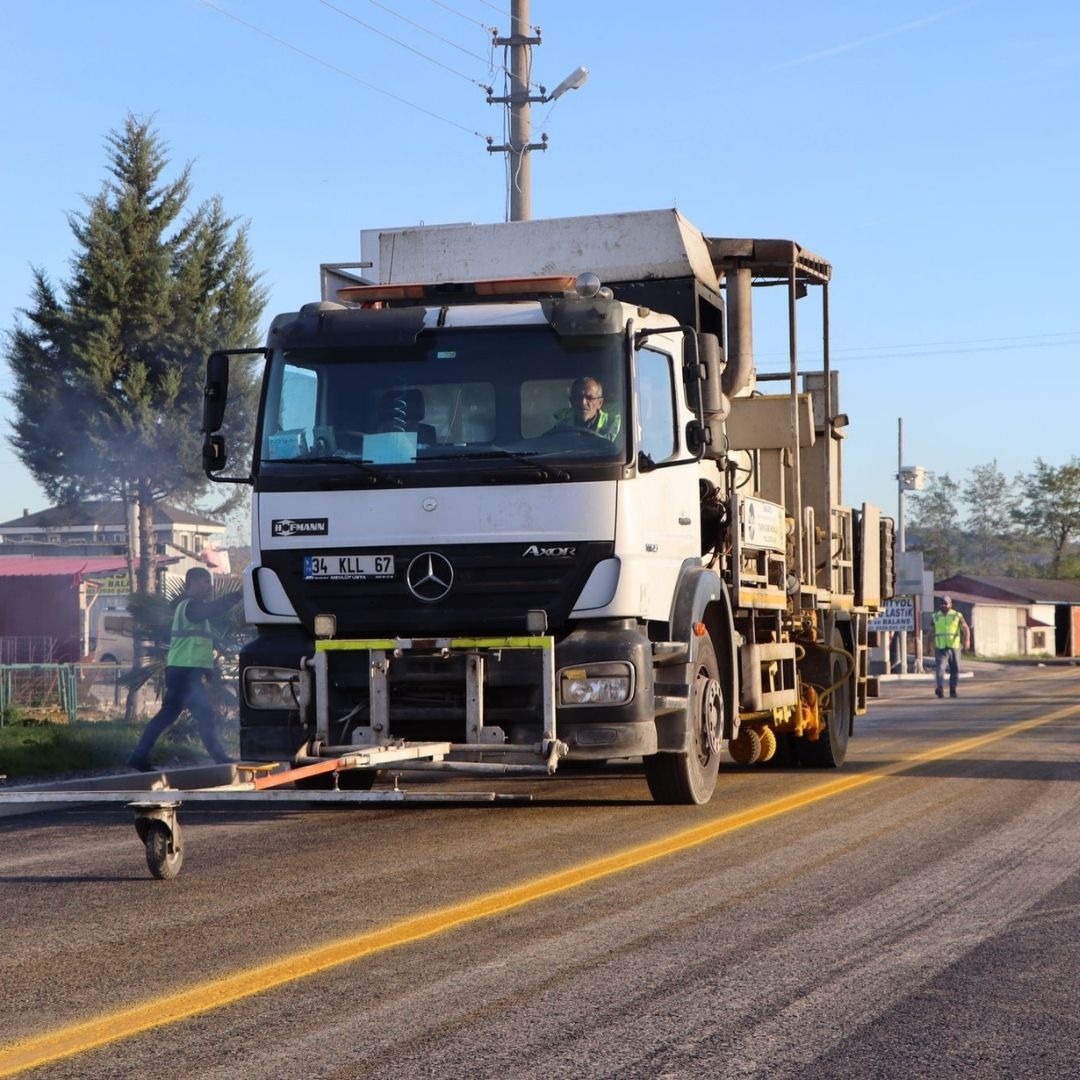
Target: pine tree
x,y
108,372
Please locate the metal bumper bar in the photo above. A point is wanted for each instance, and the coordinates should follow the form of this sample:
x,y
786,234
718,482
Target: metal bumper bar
x,y
480,739
155,810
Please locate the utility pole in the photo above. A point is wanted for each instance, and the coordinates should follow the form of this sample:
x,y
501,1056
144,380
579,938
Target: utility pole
x,y
908,478
901,542
519,101
520,112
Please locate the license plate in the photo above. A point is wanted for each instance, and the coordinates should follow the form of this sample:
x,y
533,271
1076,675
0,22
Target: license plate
x,y
347,567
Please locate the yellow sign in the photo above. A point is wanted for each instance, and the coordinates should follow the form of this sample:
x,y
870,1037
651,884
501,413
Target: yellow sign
x,y
111,584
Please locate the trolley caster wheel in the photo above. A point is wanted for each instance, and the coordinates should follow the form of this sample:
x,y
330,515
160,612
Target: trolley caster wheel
x,y
164,851
164,855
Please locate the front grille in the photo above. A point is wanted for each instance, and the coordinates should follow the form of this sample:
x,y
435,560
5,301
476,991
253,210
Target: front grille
x,y
494,586
427,695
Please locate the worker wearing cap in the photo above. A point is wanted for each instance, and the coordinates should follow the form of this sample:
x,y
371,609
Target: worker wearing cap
x,y
951,633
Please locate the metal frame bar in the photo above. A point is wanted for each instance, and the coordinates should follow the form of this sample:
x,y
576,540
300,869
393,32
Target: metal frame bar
x,y
162,804
176,797
475,650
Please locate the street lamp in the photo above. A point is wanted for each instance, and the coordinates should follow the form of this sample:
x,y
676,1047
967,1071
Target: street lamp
x,y
574,81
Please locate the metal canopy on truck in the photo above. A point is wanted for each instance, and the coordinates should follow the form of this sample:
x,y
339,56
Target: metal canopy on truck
x,y
768,259
645,245
651,258
618,247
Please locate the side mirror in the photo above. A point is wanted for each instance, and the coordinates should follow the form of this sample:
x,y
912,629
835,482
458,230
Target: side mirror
x,y
714,403
213,454
215,395
708,440
695,439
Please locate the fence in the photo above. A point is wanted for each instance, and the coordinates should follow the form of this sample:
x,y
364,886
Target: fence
x,y
77,692
27,650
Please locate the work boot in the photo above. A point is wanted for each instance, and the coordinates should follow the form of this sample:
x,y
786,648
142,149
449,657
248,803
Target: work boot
x,y
939,692
952,693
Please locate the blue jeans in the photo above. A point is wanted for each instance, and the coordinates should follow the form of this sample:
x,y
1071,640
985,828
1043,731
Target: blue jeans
x,y
951,657
185,688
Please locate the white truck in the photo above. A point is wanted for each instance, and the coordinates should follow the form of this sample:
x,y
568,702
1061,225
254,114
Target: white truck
x,y
519,497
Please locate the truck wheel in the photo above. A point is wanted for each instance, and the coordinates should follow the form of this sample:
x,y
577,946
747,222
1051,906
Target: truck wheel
x,y
830,749
690,779
787,751
164,864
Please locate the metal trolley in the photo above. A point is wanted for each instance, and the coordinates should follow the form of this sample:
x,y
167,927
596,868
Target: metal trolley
x,y
268,784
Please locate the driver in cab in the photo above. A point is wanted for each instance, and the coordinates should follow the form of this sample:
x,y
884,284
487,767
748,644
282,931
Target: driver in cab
x,y
586,411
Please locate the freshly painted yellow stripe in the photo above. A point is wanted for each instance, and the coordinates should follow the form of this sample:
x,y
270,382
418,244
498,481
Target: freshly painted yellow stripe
x,y
205,997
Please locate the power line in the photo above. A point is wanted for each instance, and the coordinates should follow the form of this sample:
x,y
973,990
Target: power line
x,y
430,32
467,18
488,60
402,44
866,353
494,7
338,70
1020,338
934,348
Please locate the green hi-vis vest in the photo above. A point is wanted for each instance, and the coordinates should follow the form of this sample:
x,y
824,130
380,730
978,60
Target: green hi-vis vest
x,y
947,629
607,424
192,644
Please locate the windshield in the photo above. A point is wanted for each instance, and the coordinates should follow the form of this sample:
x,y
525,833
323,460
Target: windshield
x,y
506,397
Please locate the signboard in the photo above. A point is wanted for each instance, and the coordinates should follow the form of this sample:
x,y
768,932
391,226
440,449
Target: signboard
x,y
897,614
909,573
761,524
114,584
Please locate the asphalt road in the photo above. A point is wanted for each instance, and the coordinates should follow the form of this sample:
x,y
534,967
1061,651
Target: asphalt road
x,y
919,918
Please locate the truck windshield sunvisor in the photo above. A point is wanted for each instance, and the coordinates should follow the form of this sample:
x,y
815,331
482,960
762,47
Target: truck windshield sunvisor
x,y
342,328
454,396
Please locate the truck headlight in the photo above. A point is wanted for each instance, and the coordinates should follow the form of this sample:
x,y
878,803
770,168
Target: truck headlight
x,y
271,688
596,684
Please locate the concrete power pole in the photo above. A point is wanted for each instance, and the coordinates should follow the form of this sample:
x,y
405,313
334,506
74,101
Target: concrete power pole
x,y
520,112
519,102
901,537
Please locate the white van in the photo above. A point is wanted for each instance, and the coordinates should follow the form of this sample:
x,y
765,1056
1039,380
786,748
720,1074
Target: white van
x,y
115,640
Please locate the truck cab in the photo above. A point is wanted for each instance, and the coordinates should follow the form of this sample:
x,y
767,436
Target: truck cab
x,y
502,516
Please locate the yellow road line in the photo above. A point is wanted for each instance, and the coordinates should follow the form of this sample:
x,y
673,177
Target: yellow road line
x,y
217,993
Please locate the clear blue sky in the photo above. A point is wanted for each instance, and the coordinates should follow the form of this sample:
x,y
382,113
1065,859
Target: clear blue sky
x,y
928,150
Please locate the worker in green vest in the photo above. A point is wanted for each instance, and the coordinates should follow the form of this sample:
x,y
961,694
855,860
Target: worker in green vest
x,y
586,411
188,666
951,633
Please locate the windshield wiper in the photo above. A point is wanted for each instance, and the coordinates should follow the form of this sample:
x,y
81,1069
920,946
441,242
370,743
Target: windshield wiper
x,y
545,472
370,473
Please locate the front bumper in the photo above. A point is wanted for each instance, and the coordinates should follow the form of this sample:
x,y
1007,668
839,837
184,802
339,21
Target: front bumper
x,y
469,691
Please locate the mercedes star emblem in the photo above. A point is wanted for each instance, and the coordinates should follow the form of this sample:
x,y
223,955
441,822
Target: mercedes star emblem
x,y
429,576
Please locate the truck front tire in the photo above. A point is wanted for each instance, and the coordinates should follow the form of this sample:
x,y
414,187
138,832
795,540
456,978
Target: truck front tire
x,y
689,778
